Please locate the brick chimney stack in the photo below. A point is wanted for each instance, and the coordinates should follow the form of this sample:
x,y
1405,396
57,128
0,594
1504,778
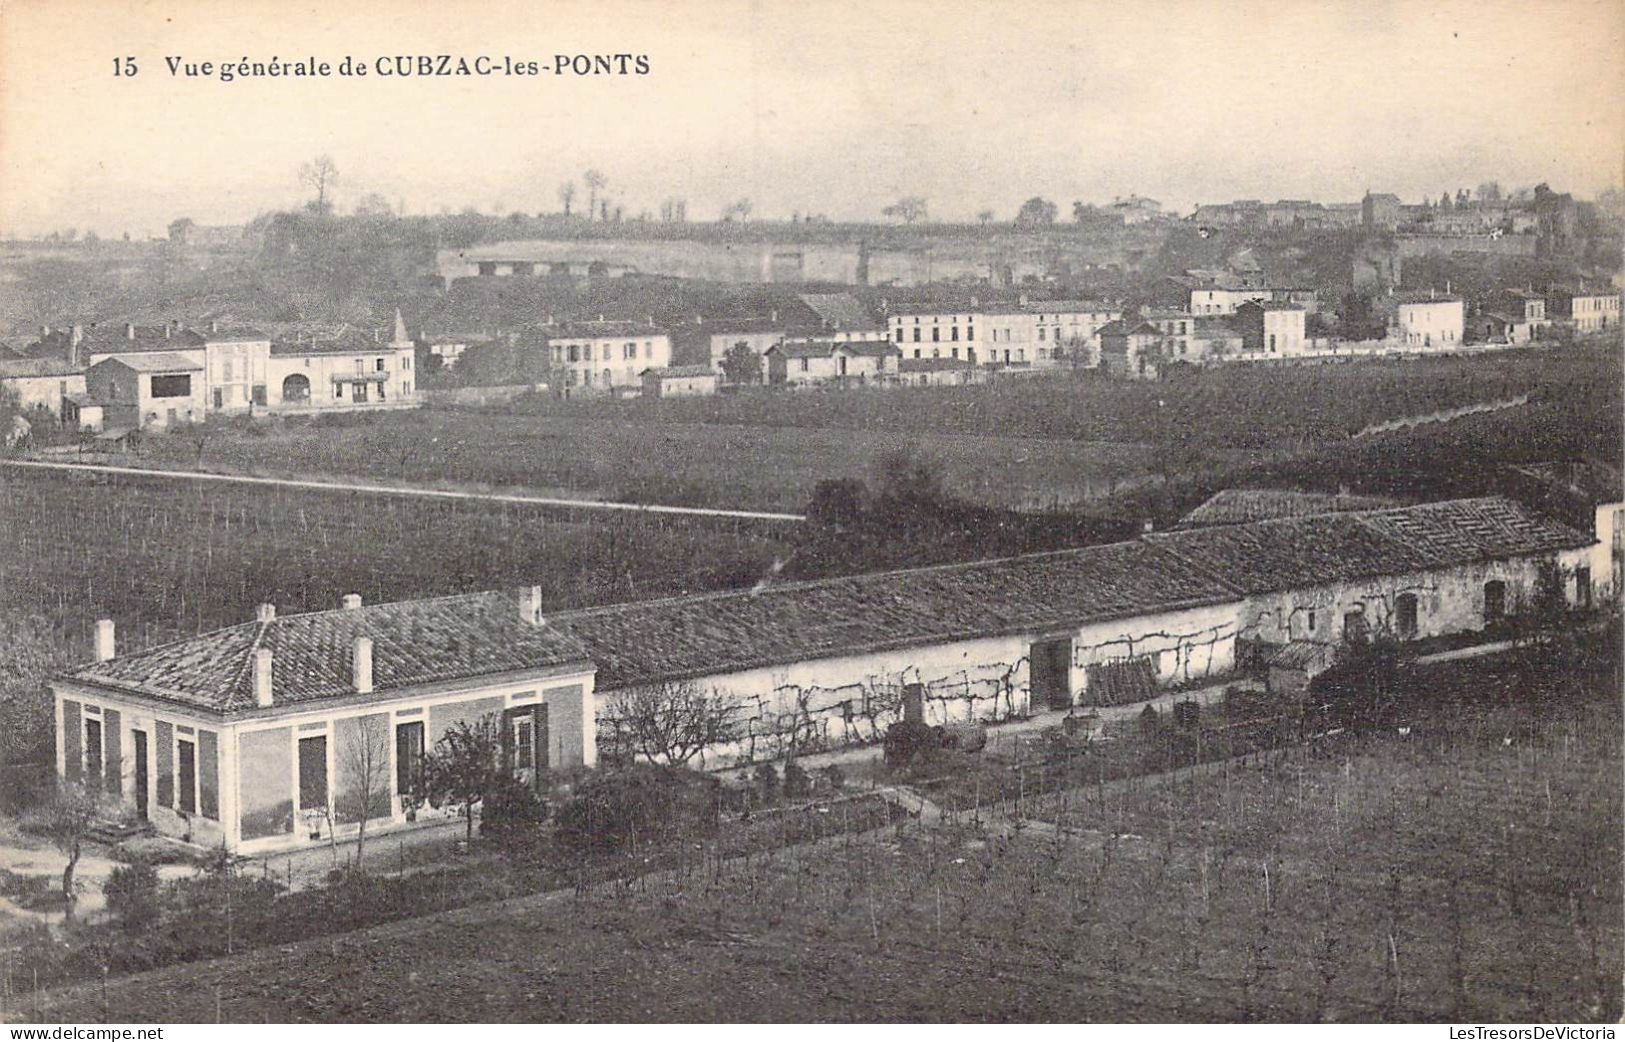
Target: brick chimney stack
x,y
129,330
362,661
530,605
351,602
265,613
104,640
262,677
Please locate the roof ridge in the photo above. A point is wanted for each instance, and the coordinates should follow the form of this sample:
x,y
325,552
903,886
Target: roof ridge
x,y
807,584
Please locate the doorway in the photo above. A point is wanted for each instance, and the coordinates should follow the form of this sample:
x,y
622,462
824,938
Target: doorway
x,y
1051,670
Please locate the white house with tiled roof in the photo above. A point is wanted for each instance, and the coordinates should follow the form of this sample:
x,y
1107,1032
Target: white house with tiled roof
x,y
246,737
257,736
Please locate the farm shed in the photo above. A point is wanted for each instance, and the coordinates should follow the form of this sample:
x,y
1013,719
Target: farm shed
x,y
1413,572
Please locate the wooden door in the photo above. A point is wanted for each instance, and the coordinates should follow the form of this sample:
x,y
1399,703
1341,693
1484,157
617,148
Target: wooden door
x,y
140,773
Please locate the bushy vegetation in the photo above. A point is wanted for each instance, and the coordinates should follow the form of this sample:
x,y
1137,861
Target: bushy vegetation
x,y
644,805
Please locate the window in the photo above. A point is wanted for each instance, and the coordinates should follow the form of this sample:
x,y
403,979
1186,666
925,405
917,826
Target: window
x,y
1495,601
970,332
338,390
360,366
186,772
802,363
936,334
1272,341
1309,620
225,368
575,353
1582,586
522,736
1041,333
953,333
378,366
916,334
406,361
178,386
899,334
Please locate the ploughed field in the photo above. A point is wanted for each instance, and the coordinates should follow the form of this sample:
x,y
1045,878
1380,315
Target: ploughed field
x,y
1466,871
1060,439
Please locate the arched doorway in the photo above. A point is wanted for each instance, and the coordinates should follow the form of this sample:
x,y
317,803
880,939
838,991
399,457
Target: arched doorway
x,y
296,388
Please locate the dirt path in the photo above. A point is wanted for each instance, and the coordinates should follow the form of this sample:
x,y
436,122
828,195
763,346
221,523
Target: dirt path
x,y
407,490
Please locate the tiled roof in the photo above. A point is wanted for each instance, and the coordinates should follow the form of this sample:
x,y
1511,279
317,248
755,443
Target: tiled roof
x,y
116,338
1241,505
840,310
1268,556
691,636
1457,531
230,334
588,329
868,348
155,363
679,370
804,349
414,642
23,367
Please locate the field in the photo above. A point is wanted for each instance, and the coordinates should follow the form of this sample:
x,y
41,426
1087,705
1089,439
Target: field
x,y
1467,871
165,559
1029,444
604,455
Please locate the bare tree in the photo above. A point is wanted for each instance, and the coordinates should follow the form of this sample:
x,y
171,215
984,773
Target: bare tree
x,y
567,195
740,209
320,174
595,182
984,217
363,761
671,721
67,820
908,209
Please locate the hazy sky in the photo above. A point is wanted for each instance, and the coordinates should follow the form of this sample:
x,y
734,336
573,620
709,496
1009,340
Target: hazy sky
x,y
835,107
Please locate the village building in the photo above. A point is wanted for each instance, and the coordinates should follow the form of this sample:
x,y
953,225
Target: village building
x,y
1271,328
605,357
1429,321
839,317
715,340
840,363
289,730
1130,349
41,383
679,381
939,372
1381,210
351,371
1587,310
155,389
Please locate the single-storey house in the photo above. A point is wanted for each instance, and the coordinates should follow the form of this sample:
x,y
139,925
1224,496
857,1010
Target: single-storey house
x,y
679,381
253,737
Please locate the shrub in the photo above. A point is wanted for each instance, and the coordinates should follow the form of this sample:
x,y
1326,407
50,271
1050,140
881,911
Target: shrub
x,y
797,782
908,742
1150,721
643,804
766,779
510,808
834,777
132,895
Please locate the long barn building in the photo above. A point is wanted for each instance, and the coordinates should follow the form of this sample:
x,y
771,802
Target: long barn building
x,y
285,730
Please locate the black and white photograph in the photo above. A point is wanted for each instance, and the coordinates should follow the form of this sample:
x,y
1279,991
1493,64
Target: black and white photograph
x,y
879,512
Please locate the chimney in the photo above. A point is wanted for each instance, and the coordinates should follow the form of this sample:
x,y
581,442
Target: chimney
x,y
773,316
104,639
44,331
362,659
214,326
530,605
351,602
265,613
129,330
262,677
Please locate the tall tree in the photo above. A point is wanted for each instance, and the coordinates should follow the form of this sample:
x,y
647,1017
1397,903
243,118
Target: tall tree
x,y
362,760
464,766
741,364
66,821
1036,212
320,174
984,217
595,181
908,209
567,195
